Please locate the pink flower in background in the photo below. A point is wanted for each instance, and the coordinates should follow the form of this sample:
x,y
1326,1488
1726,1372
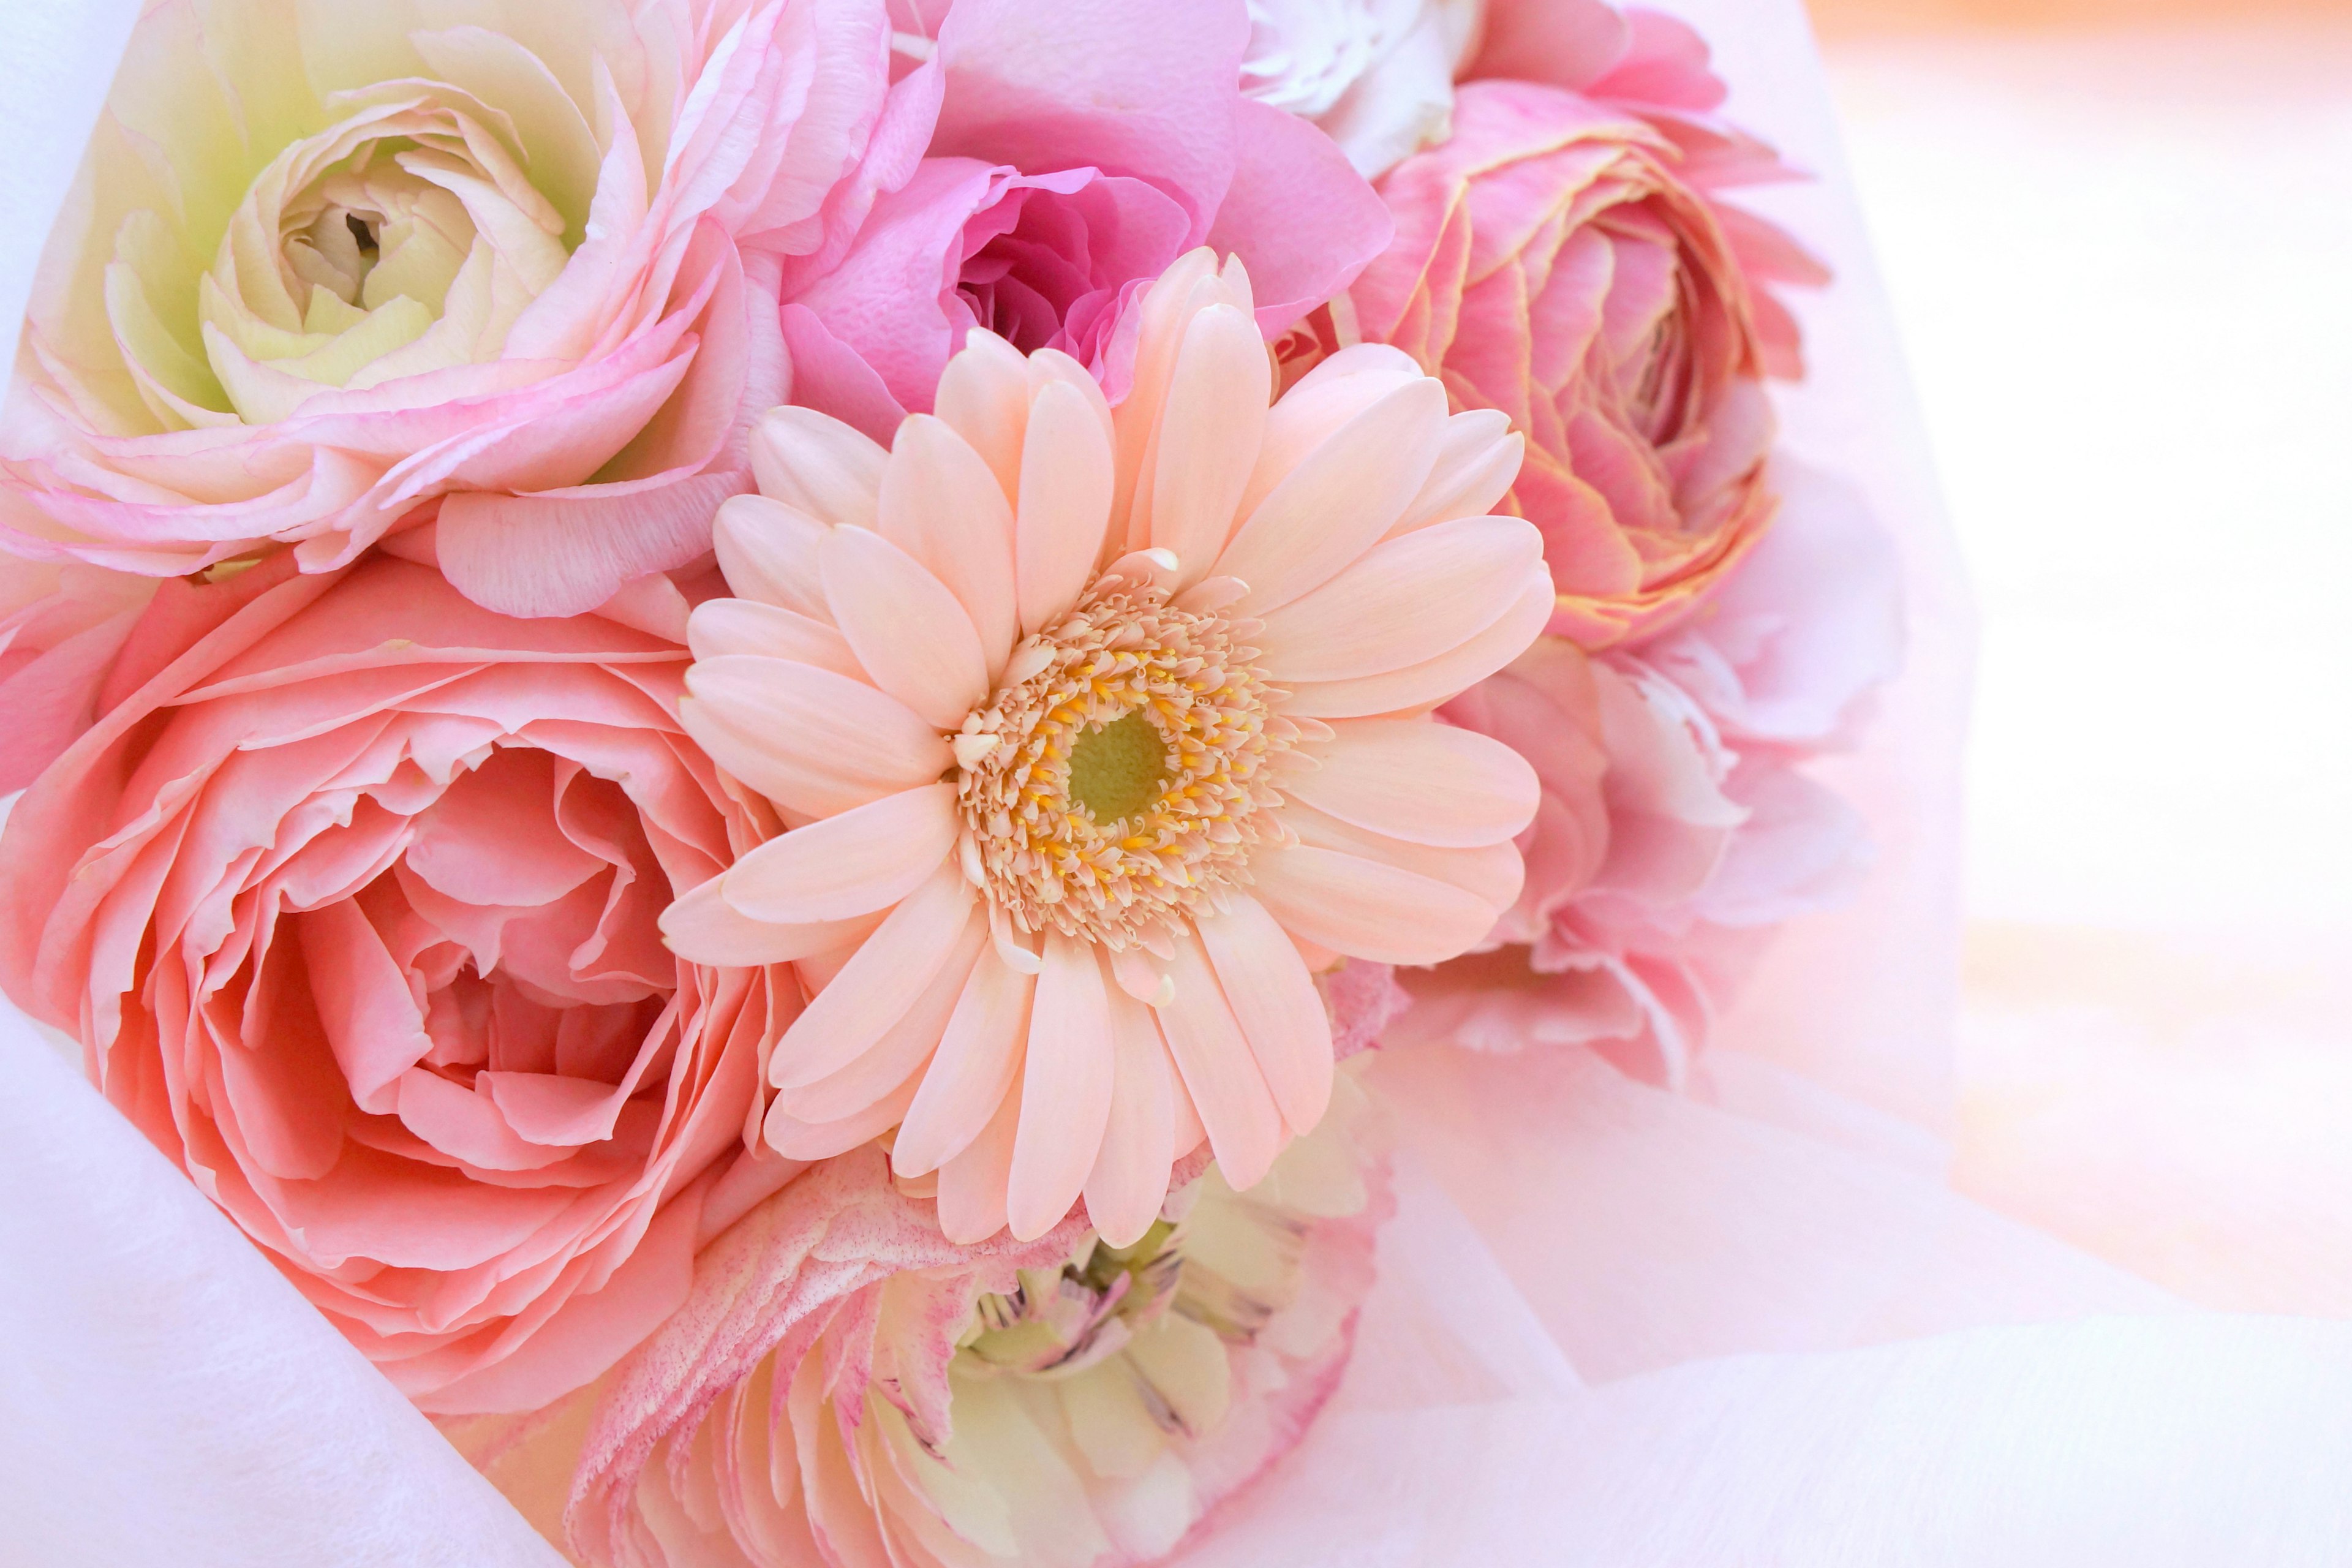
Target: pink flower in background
x,y
1550,262
61,624
1097,732
845,1387
1041,165
352,904
327,267
1676,829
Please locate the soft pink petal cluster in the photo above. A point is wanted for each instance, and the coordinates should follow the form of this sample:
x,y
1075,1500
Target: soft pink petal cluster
x,y
328,270
1678,827
1038,164
1562,257
351,900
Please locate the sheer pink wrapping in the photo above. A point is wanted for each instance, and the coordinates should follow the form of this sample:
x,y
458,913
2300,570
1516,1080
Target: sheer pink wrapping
x,y
1615,1326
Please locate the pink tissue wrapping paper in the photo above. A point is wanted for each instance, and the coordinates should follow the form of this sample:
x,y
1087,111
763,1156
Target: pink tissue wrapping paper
x,y
1615,1327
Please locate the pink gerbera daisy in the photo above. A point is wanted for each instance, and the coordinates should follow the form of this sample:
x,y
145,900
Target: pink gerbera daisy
x,y
1097,731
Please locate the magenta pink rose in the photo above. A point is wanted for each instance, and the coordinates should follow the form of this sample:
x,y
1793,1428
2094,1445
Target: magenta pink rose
x,y
1677,828
352,903
1040,163
323,278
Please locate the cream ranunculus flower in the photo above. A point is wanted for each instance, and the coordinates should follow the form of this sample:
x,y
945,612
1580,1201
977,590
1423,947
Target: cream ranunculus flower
x,y
328,265
1377,75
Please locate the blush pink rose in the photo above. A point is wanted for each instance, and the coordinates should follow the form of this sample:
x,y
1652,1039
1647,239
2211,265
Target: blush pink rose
x,y
327,270
1554,261
352,903
61,624
1042,164
1677,830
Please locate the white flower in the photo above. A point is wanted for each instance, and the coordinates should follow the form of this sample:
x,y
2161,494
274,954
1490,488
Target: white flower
x,y
1377,75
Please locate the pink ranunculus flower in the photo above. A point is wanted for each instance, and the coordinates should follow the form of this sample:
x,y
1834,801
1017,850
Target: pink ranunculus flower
x,y
847,1387
1677,828
1097,731
326,267
1039,166
352,903
61,624
1554,261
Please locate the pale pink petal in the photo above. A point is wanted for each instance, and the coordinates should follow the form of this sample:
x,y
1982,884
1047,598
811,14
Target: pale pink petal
x,y
908,631
815,463
1476,467
825,723
1275,1001
1342,496
1066,490
1210,429
1491,873
878,984
809,790
701,928
854,864
563,552
1244,1125
1429,783
941,504
1367,910
794,1138
1066,1089
977,1062
1128,1183
983,395
721,626
973,1182
1412,599
1423,686
767,552
899,1058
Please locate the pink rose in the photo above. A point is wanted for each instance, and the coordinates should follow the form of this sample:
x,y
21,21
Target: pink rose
x,y
1041,166
845,1387
61,624
318,276
1677,830
353,904
1552,260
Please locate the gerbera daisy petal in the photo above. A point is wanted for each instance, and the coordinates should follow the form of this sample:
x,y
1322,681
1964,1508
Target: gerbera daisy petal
x,y
794,1138
1065,488
1128,1183
1428,783
1419,686
822,721
874,989
983,397
1208,437
1409,600
1367,910
767,552
909,630
1206,1042
796,788
721,626
972,1184
1476,466
865,859
1342,496
941,504
1491,873
1066,1089
700,927
899,1058
1275,1001
977,1062
817,463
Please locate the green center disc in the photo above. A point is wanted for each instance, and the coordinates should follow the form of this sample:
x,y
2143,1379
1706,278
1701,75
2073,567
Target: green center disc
x,y
1118,770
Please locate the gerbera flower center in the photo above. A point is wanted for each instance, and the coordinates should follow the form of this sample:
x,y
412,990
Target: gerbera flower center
x,y
1123,772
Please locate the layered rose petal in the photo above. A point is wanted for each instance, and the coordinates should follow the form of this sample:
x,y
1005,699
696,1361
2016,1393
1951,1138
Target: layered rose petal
x,y
351,900
849,1384
472,263
1032,608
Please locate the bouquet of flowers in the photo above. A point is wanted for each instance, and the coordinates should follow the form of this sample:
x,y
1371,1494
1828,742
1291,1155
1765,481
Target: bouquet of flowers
x,y
741,715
